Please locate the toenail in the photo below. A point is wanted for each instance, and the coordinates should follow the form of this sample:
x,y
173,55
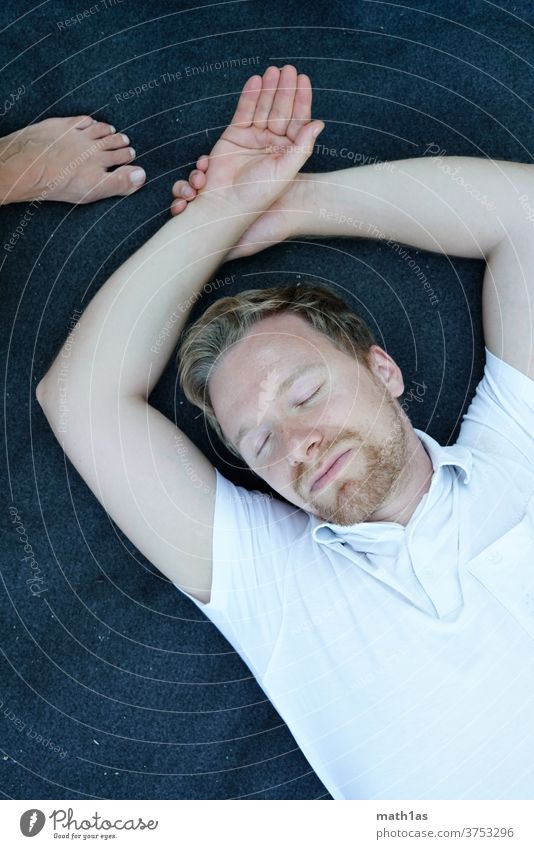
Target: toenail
x,y
112,129
132,152
188,192
125,138
137,176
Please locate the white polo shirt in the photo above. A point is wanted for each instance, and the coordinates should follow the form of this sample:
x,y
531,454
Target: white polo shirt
x,y
401,658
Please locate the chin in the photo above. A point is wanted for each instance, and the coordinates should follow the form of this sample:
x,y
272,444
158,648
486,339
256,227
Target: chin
x,y
350,506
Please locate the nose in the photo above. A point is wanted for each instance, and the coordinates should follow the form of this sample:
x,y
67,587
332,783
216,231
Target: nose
x,y
302,444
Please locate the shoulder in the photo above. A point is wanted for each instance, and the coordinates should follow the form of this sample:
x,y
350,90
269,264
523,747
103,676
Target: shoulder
x,y
500,417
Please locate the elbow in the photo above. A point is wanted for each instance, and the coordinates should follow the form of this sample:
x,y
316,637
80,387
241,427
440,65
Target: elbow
x,y
42,393
49,402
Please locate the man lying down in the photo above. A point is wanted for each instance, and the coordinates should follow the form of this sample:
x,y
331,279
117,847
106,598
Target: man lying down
x,y
385,603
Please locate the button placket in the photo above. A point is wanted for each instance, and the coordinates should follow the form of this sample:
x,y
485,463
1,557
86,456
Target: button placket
x,y
441,582
380,574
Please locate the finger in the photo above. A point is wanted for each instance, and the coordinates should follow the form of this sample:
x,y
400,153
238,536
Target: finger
x,y
182,189
176,188
246,105
197,179
178,206
301,106
203,162
269,84
302,148
282,108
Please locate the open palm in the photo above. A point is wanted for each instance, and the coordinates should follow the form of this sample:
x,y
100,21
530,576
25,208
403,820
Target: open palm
x,y
269,139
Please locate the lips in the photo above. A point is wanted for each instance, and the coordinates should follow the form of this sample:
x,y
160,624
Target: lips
x,y
330,470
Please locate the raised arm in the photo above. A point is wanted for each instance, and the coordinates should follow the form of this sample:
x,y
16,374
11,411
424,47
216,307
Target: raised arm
x,y
150,478
462,206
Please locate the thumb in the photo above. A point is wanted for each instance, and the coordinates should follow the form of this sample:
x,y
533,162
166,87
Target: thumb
x,y
302,148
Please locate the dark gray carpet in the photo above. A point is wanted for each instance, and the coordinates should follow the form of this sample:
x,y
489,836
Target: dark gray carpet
x,y
113,684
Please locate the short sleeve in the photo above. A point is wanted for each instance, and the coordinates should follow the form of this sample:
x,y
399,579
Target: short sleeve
x,y
253,535
500,418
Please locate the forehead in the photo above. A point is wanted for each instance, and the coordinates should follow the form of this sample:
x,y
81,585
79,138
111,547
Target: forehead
x,y
272,349
274,343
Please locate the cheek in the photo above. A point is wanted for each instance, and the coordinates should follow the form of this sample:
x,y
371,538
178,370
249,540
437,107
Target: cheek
x,y
273,471
339,411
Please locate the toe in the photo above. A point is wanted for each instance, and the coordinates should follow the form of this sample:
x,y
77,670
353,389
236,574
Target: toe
x,y
118,157
99,129
127,179
120,182
203,162
82,121
178,206
114,141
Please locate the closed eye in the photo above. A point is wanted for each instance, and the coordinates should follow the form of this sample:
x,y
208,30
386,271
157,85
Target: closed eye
x,y
264,443
308,398
300,404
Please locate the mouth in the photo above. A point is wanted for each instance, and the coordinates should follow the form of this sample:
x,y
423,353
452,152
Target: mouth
x,y
332,469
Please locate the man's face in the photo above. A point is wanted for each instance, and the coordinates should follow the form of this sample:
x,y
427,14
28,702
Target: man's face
x,y
295,425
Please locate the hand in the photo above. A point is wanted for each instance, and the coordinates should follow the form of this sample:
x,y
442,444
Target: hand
x,y
270,138
276,224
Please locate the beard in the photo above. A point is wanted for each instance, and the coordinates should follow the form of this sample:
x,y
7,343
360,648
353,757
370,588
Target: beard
x,y
349,500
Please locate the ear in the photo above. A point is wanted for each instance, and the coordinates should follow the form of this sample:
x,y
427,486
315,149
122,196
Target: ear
x,y
386,370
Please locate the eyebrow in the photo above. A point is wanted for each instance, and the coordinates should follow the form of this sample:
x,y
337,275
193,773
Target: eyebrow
x,y
284,386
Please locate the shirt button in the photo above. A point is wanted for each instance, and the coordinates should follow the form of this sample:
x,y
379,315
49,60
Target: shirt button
x,y
494,557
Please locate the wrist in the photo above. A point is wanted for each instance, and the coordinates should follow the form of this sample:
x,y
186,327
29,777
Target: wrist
x,y
310,195
220,211
222,206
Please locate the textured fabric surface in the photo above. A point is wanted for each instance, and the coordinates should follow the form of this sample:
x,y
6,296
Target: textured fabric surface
x,y
113,684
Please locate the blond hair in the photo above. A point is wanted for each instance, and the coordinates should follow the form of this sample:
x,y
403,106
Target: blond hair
x,y
230,318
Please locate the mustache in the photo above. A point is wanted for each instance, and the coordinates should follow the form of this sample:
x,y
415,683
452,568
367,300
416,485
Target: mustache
x,y
303,475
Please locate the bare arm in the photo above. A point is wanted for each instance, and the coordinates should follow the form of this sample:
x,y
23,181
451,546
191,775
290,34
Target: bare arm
x,y
135,461
142,468
462,206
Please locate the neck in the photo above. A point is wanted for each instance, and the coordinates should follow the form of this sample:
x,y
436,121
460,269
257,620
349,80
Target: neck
x,y
411,486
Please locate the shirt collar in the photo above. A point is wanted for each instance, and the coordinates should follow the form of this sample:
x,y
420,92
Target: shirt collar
x,y
440,455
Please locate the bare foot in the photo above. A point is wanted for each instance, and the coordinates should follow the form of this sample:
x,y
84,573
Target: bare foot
x,y
66,159
275,225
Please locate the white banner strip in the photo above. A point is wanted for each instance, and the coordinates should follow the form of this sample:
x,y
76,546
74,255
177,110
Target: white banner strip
x,y
269,824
